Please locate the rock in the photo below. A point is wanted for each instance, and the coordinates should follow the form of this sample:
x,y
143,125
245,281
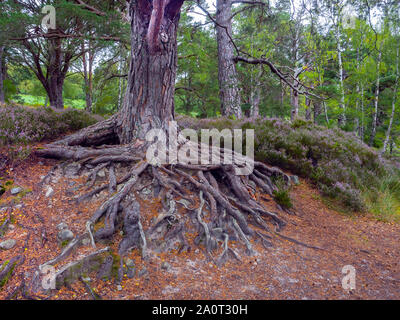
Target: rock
x,y
119,287
8,244
73,271
165,266
86,241
105,269
146,191
19,206
65,235
16,190
62,226
130,263
72,170
11,227
86,279
4,209
295,180
49,192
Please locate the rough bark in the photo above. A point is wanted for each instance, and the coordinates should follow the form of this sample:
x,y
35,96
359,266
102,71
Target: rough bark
x,y
376,101
229,91
149,97
255,95
342,117
87,61
56,74
2,95
394,101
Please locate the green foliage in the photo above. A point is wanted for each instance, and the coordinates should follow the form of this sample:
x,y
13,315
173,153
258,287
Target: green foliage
x,y
339,164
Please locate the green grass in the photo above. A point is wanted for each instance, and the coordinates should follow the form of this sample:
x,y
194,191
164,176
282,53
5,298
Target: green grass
x,y
35,101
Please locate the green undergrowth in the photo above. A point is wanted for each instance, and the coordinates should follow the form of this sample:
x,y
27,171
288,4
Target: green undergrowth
x,y
345,170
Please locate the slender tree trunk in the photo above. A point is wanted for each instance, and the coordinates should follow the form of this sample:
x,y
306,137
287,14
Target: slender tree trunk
x,y
357,119
87,61
120,90
255,95
342,118
308,110
2,95
317,111
228,80
394,101
295,103
149,97
361,134
376,101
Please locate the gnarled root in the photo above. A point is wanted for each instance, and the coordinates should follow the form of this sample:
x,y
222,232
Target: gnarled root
x,y
226,203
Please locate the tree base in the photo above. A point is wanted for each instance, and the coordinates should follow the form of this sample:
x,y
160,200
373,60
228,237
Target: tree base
x,y
210,201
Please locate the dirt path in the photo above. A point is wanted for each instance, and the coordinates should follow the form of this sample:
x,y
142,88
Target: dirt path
x,y
285,271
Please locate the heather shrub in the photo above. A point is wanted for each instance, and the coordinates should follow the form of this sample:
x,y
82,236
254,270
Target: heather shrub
x,y
22,125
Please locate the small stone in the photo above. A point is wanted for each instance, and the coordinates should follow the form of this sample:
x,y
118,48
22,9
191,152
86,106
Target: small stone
x,y
165,266
62,226
101,173
119,287
146,191
130,263
16,190
49,192
295,180
130,273
8,244
18,206
65,235
11,227
86,242
86,279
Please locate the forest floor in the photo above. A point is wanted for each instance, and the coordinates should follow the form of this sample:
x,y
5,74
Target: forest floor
x,y
285,271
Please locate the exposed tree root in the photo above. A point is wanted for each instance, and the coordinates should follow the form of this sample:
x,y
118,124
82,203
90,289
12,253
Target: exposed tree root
x,y
220,205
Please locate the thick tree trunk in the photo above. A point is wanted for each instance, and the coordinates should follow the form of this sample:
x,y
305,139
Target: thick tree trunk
x,y
56,71
2,95
149,97
229,92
